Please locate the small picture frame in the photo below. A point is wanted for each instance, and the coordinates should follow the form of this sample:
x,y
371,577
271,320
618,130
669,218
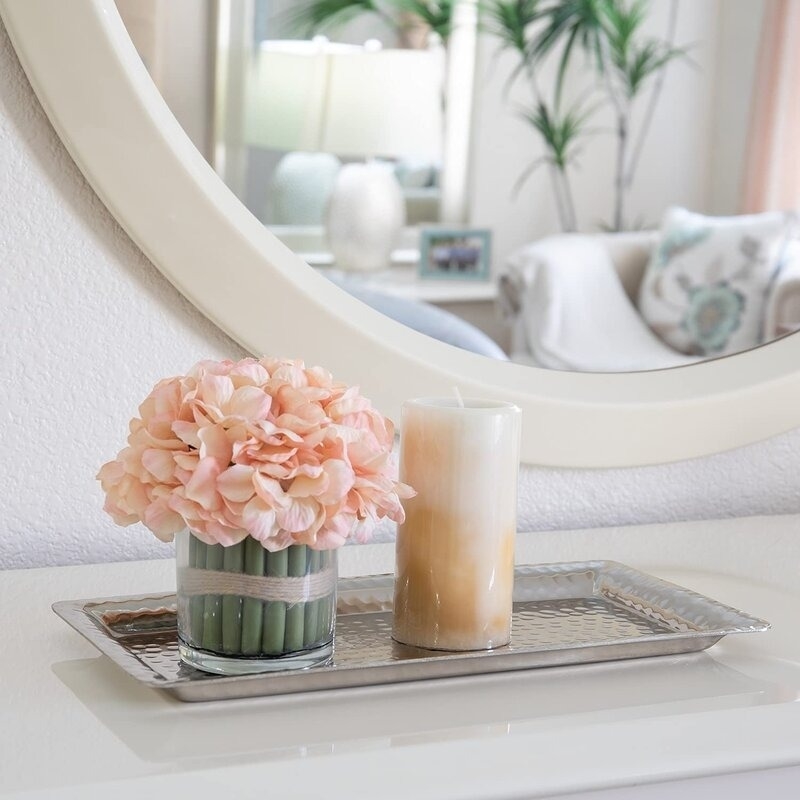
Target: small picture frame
x,y
455,254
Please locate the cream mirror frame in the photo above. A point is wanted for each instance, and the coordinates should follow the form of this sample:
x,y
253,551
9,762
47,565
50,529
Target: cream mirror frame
x,y
99,97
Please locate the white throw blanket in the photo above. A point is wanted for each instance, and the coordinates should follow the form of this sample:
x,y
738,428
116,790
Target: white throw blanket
x,y
569,311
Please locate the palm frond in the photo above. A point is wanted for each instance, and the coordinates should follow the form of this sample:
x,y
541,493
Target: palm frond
x,y
579,20
510,20
560,131
644,62
563,63
621,24
573,22
633,60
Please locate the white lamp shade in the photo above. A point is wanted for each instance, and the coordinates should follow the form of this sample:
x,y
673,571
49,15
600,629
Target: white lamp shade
x,y
287,95
384,103
345,99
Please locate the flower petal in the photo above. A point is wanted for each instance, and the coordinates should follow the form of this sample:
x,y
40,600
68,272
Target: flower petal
x,y
160,464
162,520
340,481
236,483
299,516
202,487
269,490
259,520
215,444
224,534
110,474
215,390
248,372
249,402
187,432
304,486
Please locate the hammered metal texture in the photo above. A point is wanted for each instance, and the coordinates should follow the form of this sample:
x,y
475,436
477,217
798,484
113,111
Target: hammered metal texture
x,y
565,613
160,654
551,623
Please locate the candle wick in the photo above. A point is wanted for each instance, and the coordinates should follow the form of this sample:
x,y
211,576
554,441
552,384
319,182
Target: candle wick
x,y
459,398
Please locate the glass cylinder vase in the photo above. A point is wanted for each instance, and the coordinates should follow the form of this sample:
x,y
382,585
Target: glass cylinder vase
x,y
243,609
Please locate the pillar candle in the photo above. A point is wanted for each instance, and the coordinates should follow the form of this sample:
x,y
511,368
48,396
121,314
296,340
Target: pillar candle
x,y
455,551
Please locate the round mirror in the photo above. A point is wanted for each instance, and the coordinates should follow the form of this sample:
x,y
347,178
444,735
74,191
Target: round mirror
x,y
501,205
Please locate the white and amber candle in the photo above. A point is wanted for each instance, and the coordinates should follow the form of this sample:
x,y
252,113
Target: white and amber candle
x,y
455,551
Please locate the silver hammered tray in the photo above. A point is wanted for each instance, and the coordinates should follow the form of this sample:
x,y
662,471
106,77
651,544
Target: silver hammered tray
x,y
563,614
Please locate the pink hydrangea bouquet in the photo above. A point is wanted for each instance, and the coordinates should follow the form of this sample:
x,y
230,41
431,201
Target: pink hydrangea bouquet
x,y
264,468
267,448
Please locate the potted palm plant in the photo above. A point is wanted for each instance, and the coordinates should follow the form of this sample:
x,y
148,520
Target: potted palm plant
x,y
627,69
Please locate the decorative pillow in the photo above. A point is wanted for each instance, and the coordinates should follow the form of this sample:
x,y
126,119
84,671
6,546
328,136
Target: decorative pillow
x,y
704,289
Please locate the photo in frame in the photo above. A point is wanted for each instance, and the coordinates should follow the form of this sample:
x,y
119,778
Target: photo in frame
x,y
459,253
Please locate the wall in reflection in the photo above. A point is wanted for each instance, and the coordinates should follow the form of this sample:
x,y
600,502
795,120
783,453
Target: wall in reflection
x,y
176,42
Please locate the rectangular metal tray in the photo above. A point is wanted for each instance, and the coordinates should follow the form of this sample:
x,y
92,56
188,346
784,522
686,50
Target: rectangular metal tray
x,y
563,614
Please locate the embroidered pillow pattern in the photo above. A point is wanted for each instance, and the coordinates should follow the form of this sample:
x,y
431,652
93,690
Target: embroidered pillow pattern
x,y
705,286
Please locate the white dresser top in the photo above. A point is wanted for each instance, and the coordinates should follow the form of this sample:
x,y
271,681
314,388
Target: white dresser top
x,y
73,725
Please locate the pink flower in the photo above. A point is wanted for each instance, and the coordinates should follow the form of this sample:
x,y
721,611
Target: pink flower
x,y
266,448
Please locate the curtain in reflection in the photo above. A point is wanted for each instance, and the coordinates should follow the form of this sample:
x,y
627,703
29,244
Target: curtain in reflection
x,y
772,178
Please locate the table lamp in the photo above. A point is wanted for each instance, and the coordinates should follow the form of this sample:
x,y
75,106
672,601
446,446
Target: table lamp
x,y
380,103
359,103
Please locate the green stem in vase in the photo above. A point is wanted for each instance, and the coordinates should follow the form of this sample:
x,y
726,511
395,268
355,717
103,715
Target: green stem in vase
x,y
233,561
275,610
212,611
311,621
197,559
295,614
252,609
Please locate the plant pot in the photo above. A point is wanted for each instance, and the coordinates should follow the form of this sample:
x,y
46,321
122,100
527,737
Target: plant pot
x,y
243,609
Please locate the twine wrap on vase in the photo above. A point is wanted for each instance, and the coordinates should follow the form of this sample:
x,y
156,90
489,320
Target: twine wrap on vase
x,y
289,590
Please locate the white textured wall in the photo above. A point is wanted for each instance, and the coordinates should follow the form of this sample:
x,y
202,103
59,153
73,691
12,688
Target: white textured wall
x,y
88,326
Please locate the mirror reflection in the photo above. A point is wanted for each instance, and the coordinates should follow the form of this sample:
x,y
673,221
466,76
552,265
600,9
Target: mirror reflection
x,y
600,186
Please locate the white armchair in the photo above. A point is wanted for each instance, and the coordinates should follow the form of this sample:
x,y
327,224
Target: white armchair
x,y
571,302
